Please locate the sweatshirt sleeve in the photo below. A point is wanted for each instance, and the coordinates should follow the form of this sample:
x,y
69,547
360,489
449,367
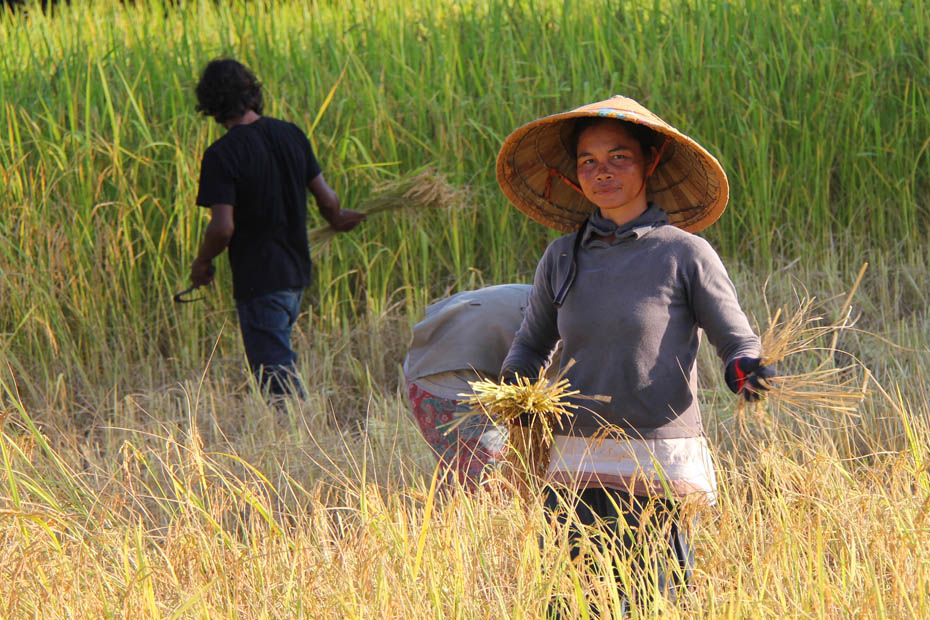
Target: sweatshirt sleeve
x,y
539,332
716,307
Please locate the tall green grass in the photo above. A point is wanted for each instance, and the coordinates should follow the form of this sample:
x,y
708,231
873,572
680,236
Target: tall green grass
x,y
818,111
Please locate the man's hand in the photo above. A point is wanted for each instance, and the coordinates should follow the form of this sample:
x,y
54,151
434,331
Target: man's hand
x,y
215,239
340,220
748,377
345,220
202,272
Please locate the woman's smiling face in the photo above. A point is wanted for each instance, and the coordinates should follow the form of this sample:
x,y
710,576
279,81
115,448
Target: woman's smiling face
x,y
611,166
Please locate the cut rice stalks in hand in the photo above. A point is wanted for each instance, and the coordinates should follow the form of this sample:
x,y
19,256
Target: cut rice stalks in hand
x,y
545,401
828,387
423,189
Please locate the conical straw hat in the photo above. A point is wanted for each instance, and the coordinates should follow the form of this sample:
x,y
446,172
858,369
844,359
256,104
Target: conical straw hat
x,y
688,182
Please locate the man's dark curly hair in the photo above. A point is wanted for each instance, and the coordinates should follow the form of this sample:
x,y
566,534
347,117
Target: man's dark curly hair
x,y
227,89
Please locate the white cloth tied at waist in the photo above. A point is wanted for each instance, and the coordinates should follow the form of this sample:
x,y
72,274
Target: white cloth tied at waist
x,y
677,467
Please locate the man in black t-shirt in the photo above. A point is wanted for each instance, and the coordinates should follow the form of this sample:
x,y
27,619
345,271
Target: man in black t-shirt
x,y
254,180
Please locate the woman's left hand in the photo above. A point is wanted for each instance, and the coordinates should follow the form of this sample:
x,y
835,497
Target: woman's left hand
x,y
747,376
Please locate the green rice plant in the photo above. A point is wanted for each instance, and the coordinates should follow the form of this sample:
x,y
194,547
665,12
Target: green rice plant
x,y
819,118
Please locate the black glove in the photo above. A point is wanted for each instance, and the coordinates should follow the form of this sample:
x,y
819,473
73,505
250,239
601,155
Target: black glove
x,y
747,376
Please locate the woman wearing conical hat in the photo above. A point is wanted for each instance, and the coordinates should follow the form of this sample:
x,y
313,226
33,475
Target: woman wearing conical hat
x,y
629,291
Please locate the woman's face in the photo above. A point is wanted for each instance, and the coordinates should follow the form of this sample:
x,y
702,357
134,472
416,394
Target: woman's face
x,y
611,166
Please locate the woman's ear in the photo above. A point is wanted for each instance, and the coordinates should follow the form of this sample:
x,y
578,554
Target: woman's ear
x,y
649,161
651,155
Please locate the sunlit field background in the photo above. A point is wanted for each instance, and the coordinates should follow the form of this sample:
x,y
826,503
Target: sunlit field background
x,y
142,476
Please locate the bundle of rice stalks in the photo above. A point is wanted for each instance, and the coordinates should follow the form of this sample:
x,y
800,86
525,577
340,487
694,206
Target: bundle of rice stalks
x,y
422,189
542,403
828,386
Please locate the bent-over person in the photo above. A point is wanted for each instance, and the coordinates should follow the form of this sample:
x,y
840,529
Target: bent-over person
x,y
462,338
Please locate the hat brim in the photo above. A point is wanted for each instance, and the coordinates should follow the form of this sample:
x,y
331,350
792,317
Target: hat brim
x,y
688,182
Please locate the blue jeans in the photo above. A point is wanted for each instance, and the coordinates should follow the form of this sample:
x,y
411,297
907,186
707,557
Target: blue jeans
x,y
266,323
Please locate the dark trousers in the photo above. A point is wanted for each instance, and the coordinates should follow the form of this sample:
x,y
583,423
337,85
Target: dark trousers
x,y
647,531
266,323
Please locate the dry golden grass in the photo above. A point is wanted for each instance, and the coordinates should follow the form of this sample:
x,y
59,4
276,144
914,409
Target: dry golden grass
x,y
198,500
170,512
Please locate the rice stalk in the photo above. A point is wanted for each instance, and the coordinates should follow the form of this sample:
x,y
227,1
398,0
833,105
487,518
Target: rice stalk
x,y
827,387
531,409
830,389
426,188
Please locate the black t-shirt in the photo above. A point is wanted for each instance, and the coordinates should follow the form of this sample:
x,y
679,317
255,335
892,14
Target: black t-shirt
x,y
262,169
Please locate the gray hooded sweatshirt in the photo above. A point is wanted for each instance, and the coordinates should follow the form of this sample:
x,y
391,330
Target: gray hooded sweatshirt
x,y
469,331
632,320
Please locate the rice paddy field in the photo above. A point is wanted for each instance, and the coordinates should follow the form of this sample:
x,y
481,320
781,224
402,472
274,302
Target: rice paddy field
x,y
142,475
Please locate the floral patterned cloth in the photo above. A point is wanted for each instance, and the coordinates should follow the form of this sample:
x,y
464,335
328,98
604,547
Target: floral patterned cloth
x,y
466,453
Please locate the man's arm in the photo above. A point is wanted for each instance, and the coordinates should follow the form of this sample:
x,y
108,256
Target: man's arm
x,y
217,236
327,202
